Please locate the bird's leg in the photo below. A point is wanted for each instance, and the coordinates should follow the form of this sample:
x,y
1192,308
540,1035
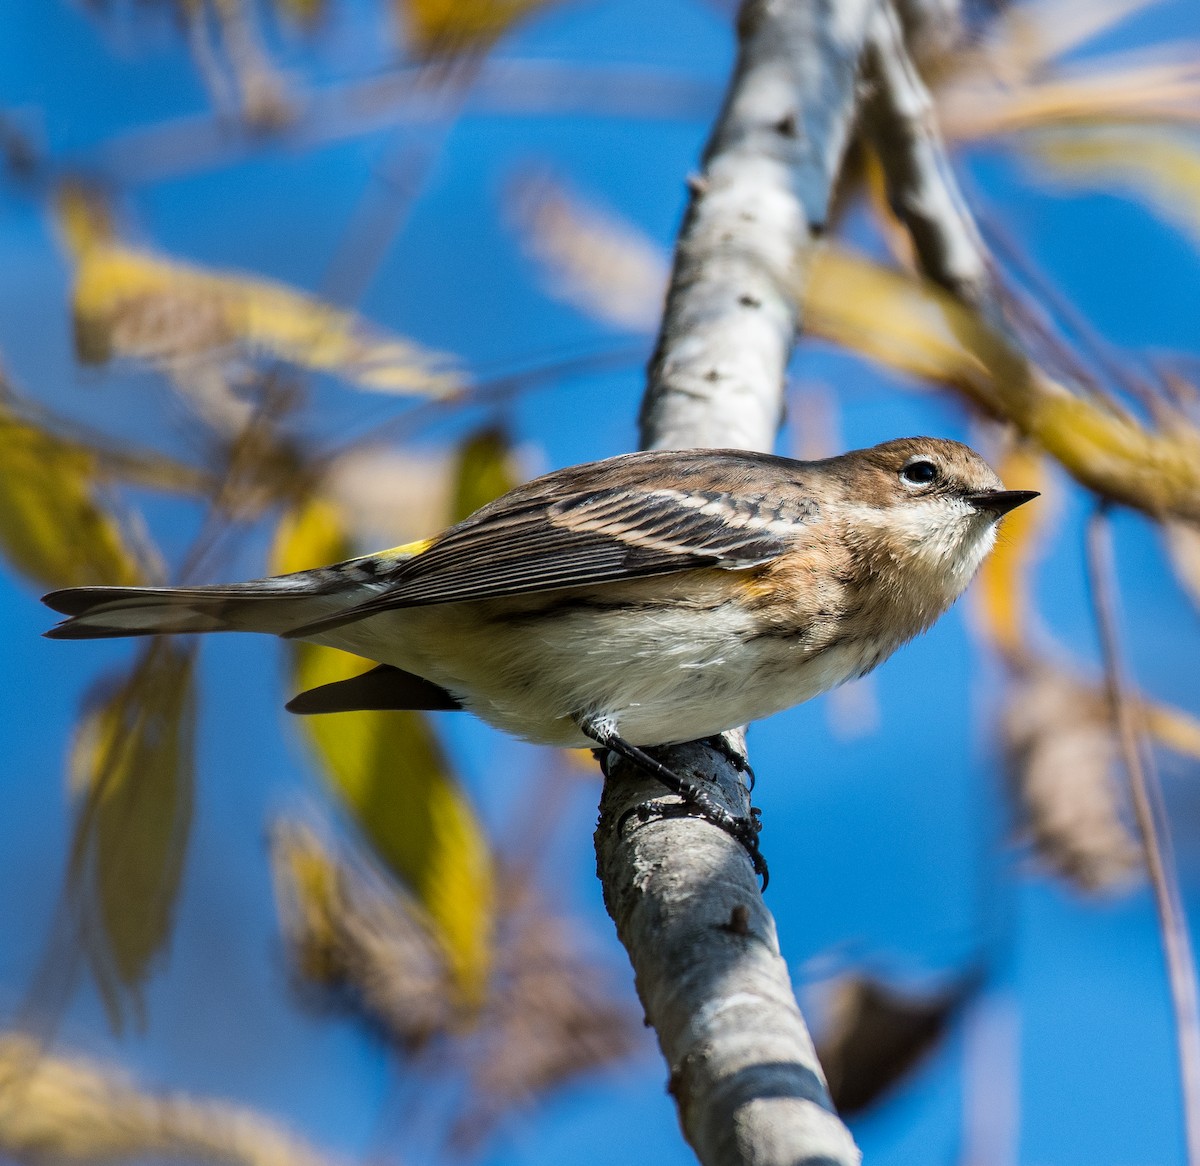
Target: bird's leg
x,y
745,830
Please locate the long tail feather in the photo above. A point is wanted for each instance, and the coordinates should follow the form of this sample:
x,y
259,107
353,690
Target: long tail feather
x,y
267,605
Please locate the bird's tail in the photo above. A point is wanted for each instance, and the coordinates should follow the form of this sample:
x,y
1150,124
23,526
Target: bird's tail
x,y
262,605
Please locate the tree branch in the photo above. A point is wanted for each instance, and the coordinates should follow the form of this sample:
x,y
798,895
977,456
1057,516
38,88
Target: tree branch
x,y
682,893
1104,449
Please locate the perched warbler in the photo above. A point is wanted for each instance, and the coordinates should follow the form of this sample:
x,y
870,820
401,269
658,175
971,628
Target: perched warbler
x,y
643,600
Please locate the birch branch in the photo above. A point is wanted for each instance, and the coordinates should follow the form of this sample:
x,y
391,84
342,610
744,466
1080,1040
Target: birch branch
x,y
682,893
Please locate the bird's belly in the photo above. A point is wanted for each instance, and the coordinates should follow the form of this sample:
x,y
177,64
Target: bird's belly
x,y
663,672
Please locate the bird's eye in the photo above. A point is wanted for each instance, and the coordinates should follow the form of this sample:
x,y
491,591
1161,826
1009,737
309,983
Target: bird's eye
x,y
919,473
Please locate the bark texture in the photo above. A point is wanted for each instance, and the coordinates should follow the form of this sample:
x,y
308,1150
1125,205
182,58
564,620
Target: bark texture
x,y
682,893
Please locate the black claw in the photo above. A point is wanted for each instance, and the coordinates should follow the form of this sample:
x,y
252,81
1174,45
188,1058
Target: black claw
x,y
745,830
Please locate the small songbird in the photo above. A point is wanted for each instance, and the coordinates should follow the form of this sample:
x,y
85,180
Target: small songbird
x,y
643,600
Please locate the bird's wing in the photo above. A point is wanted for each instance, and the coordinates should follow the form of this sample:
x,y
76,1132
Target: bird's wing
x,y
559,538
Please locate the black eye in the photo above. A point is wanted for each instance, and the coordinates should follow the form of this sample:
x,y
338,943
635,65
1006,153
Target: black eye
x,y
919,473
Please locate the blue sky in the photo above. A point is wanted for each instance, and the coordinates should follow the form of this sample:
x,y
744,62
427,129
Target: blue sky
x,y
889,851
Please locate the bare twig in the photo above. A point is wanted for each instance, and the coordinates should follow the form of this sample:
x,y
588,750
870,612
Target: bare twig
x,y
1146,796
681,892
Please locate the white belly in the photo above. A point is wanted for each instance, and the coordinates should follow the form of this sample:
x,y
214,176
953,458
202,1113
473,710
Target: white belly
x,y
663,675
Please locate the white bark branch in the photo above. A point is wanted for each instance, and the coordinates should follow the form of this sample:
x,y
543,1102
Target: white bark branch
x,y
716,377
901,120
682,893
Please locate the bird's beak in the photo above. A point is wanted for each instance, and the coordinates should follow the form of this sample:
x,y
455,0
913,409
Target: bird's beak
x,y
1001,501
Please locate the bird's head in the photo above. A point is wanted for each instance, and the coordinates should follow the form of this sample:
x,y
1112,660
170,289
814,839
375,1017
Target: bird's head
x,y
928,505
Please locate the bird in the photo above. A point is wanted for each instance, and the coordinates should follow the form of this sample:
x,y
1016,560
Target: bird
x,y
643,600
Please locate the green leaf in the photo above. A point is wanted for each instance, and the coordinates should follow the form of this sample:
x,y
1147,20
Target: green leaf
x,y
53,527
483,472
132,765
391,774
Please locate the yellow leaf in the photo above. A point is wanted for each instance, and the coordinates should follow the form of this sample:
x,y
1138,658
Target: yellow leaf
x,y
53,527
132,303
485,470
390,772
452,27
890,317
919,329
1004,577
1157,167
587,256
1177,730
72,1109
132,766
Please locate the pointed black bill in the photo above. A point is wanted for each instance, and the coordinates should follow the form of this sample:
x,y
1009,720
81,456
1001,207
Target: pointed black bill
x,y
1001,501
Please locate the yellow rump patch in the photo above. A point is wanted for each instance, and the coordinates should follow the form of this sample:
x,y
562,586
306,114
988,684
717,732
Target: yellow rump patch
x,y
407,551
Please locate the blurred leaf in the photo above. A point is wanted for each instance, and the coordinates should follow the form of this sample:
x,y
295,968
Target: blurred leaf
x,y
1026,37
1183,549
1177,730
1100,91
360,942
1004,578
453,27
485,470
391,773
877,1036
551,1018
70,1109
890,317
53,527
589,257
131,764
919,329
263,98
1161,169
1062,750
132,303
306,13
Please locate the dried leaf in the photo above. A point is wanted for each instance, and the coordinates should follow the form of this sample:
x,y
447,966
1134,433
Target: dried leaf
x,y
53,527
262,90
589,257
392,775
362,943
1105,90
1177,730
132,303
450,28
1027,37
877,1036
70,1109
132,766
1183,549
1160,168
1062,752
551,1017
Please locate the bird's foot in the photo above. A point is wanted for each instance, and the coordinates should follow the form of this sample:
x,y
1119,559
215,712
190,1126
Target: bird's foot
x,y
745,830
